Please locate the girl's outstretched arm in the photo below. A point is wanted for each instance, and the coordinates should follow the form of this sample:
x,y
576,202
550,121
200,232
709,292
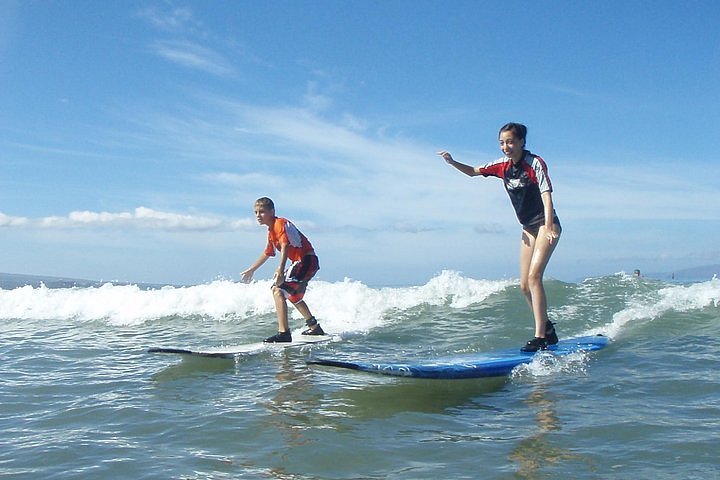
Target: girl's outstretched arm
x,y
466,169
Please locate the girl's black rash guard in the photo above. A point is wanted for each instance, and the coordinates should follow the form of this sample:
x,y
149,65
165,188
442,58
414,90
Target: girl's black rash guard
x,y
525,183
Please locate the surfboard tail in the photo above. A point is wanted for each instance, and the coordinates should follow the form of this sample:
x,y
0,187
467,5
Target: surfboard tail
x,y
333,363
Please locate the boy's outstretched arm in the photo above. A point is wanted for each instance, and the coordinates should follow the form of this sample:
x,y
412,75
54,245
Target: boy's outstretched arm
x,y
466,169
247,275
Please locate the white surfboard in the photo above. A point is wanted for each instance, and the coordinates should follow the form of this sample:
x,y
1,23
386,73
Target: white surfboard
x,y
232,351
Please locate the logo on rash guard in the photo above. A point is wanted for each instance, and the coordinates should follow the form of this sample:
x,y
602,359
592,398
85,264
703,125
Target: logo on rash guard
x,y
515,183
293,234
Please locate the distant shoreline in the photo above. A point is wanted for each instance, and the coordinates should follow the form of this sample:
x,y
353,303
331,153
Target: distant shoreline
x,y
693,274
9,281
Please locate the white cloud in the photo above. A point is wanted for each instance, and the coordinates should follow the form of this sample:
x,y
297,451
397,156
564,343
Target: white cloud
x,y
9,221
191,55
176,19
140,218
181,23
317,166
634,192
489,229
335,170
315,100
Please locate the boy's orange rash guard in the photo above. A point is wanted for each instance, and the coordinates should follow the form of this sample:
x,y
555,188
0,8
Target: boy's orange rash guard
x,y
284,231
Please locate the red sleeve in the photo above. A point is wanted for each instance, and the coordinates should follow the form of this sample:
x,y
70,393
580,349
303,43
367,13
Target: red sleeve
x,y
494,169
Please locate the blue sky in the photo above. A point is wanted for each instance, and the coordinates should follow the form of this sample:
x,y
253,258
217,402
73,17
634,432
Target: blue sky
x,y
135,135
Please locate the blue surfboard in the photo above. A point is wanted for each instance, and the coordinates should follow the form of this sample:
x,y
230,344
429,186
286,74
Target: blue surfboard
x,y
475,365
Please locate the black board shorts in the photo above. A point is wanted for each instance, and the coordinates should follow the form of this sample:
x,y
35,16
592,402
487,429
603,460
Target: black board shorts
x,y
301,272
535,228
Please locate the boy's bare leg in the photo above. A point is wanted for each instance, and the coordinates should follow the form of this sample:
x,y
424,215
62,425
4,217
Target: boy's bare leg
x,y
281,309
308,316
303,309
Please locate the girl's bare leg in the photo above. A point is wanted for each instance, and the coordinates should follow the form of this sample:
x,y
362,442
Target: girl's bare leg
x,y
535,253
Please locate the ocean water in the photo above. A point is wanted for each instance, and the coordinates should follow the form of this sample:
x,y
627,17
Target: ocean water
x,y
80,397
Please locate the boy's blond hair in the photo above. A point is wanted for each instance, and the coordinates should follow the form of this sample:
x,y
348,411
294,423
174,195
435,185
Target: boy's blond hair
x,y
264,202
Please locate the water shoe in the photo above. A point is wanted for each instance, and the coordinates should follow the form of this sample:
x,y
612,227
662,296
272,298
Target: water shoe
x,y
280,337
550,333
534,345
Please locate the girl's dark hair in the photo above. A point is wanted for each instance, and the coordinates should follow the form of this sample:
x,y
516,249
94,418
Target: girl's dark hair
x,y
518,129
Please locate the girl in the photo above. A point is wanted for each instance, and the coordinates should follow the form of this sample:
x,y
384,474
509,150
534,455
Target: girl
x,y
527,182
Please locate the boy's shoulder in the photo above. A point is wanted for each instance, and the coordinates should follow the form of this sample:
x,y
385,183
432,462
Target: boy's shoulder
x,y
278,224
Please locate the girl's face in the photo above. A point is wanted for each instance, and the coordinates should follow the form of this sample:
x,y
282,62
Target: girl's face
x,y
264,215
511,146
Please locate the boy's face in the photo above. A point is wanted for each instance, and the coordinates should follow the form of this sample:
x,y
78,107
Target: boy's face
x,y
264,215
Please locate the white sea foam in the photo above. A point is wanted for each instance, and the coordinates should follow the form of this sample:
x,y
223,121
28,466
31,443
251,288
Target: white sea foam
x,y
679,298
342,306
547,365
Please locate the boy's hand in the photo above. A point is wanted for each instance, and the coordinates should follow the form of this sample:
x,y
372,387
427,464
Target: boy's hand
x,y
279,277
246,276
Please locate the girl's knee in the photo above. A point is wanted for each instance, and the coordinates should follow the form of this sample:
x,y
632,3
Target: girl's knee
x,y
535,282
525,287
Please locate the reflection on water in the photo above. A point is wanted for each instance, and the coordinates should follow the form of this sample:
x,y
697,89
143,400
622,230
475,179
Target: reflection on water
x,y
362,396
537,451
193,367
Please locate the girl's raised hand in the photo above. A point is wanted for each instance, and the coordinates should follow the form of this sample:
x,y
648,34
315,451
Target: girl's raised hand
x,y
446,156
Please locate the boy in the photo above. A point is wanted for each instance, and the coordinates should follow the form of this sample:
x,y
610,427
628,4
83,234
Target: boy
x,y
284,237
